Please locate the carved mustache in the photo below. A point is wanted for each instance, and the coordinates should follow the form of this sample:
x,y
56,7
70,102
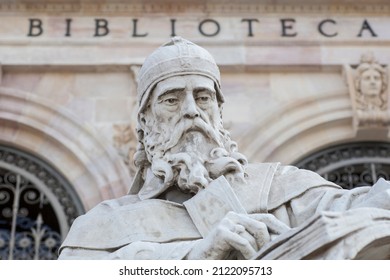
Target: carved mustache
x,y
185,125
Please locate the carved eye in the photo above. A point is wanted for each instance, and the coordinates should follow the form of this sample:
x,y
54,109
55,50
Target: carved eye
x,y
171,101
203,98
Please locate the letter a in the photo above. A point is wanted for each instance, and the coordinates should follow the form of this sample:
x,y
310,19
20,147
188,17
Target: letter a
x,y
366,26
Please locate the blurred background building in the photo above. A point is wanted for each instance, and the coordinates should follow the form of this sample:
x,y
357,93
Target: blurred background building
x,y
305,82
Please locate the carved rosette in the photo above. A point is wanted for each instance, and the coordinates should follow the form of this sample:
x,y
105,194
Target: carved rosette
x,y
368,87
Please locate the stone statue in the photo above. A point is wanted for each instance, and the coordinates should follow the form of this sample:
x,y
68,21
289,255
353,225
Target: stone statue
x,y
196,197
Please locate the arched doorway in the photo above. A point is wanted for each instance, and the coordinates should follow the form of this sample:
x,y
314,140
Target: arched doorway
x,y
351,165
37,206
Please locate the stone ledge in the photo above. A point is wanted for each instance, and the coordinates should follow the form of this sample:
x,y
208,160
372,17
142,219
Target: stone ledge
x,y
216,6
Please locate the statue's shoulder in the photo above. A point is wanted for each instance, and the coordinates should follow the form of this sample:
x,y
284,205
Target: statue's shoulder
x,y
269,185
115,203
277,169
131,203
259,168
290,182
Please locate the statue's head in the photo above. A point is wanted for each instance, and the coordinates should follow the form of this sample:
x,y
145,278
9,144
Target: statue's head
x,y
182,142
371,77
176,58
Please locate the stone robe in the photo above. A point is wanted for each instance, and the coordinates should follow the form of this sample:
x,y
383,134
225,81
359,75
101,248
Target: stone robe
x,y
131,228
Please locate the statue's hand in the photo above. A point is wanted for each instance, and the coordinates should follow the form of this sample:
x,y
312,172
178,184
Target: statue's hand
x,y
237,233
275,227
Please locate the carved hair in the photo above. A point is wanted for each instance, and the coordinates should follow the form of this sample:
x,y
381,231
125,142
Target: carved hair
x,y
368,62
366,66
152,152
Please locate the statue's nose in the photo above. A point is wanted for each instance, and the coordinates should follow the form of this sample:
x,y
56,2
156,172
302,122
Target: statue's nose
x,y
190,109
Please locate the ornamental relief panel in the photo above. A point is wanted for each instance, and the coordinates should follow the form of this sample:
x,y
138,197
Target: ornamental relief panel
x,y
368,87
125,142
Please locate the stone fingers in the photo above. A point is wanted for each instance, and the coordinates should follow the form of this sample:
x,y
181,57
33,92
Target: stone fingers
x,y
248,233
256,232
239,243
273,224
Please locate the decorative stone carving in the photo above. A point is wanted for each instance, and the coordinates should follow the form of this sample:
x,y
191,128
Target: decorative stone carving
x,y
196,197
124,135
368,87
125,141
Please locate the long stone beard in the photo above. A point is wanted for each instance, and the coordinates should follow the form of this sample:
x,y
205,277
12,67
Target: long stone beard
x,y
192,154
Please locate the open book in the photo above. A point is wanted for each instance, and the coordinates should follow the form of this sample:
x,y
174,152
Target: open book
x,y
361,233
210,205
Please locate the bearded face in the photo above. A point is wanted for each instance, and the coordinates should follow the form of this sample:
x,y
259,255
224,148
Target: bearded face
x,y
183,137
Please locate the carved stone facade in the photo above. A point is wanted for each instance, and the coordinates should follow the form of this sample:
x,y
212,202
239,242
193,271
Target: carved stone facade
x,y
293,75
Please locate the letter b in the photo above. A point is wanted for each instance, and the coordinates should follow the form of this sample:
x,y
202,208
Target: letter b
x,y
35,27
101,27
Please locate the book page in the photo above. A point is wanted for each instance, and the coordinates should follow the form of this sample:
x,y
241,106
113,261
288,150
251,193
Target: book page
x,y
211,204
